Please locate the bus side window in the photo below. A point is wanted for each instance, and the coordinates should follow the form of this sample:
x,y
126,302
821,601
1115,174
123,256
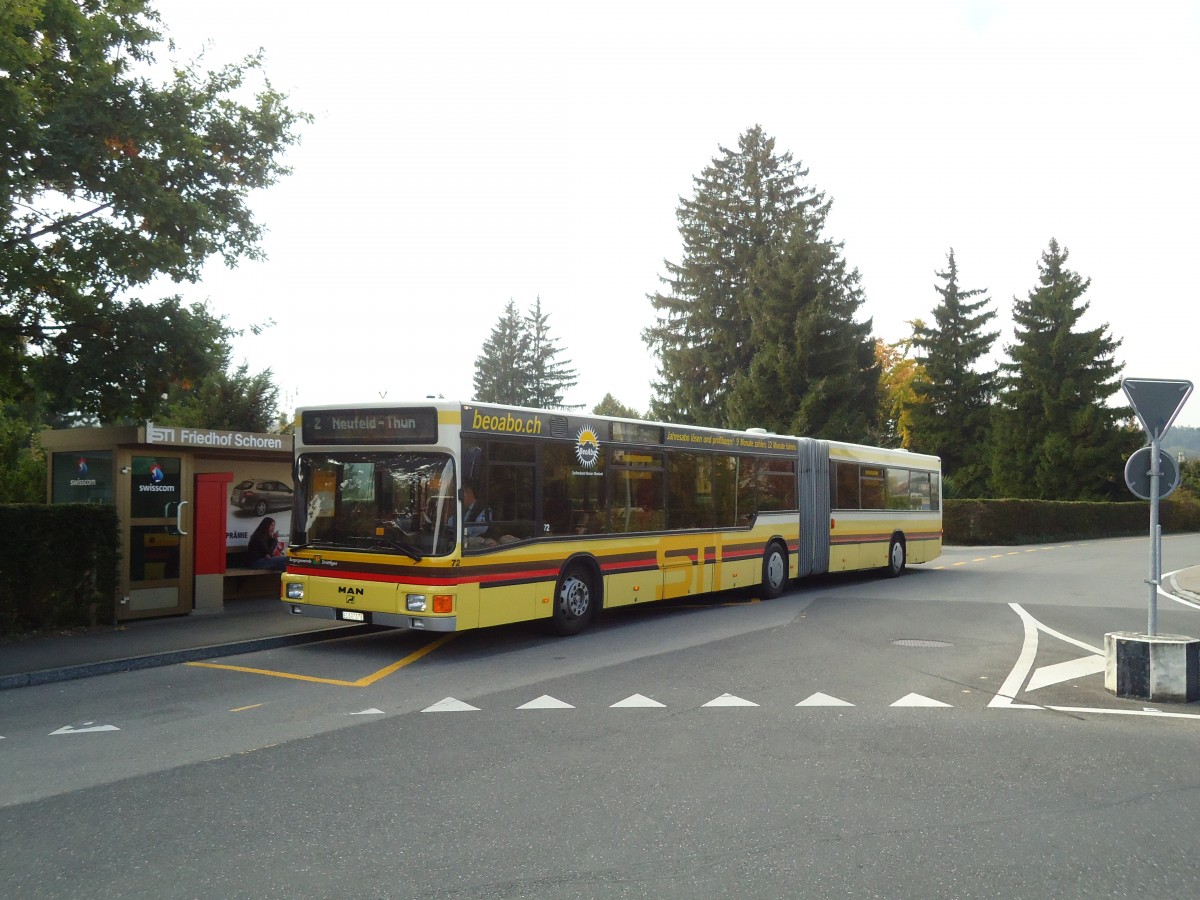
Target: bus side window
x,y
847,485
510,490
746,504
871,487
572,495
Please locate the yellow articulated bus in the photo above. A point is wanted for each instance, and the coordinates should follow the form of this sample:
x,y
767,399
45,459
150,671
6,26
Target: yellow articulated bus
x,y
447,516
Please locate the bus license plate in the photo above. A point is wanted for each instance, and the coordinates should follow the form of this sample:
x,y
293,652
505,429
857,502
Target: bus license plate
x,y
351,615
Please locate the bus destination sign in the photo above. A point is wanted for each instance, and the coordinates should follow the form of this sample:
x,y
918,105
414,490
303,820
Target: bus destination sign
x,y
369,426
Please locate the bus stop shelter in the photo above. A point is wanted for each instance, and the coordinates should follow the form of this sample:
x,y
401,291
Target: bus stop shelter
x,y
187,500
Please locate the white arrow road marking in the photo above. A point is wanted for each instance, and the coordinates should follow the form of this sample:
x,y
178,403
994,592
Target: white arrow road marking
x,y
449,704
919,700
637,700
545,702
729,700
368,712
1065,671
1020,671
87,727
819,699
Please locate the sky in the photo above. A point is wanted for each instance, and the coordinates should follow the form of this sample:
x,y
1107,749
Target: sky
x,y
464,154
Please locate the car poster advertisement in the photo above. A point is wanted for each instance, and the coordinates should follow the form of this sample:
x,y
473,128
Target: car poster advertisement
x,y
258,490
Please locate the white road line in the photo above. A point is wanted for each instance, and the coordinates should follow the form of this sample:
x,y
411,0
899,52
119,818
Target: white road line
x,y
1006,696
1065,671
1153,713
1171,596
1020,671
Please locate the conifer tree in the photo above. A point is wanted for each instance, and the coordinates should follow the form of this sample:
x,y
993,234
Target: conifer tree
x,y
812,369
951,410
519,365
500,370
746,203
611,406
1055,437
548,379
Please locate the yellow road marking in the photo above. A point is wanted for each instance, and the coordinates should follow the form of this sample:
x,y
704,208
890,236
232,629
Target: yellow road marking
x,y
362,682
244,708
966,562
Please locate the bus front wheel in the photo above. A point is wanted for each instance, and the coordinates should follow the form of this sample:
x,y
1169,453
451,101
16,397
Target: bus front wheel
x,y
775,570
896,557
574,601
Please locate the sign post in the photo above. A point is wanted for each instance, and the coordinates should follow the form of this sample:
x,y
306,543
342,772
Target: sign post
x,y
1156,402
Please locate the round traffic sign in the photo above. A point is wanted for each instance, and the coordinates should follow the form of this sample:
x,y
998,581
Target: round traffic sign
x,y
1137,473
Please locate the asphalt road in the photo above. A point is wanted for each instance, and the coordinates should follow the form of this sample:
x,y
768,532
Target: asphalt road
x,y
944,734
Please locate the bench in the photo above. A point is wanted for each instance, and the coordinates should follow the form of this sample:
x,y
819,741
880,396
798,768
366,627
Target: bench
x,y
242,581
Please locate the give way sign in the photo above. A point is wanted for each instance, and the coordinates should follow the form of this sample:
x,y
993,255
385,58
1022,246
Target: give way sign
x,y
1156,401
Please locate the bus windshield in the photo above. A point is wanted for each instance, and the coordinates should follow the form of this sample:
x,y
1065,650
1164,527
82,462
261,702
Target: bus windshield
x,y
382,502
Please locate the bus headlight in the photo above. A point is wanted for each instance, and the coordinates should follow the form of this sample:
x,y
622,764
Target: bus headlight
x,y
414,602
295,590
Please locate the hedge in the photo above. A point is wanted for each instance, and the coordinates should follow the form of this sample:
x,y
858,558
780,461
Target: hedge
x,y
968,522
59,566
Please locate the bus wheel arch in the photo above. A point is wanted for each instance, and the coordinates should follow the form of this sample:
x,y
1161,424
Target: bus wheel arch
x,y
897,555
578,595
775,569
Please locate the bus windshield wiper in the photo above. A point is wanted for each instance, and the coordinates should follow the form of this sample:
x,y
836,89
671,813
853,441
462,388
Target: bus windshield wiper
x,y
403,546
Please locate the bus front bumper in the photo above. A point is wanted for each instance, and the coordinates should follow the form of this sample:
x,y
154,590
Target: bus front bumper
x,y
367,617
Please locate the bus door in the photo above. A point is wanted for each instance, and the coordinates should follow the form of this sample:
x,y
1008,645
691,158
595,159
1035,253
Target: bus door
x,y
158,559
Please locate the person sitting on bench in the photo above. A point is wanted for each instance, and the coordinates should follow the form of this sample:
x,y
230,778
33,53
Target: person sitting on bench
x,y
265,550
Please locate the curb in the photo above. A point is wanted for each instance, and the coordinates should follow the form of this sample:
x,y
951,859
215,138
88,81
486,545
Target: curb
x,y
1182,592
173,657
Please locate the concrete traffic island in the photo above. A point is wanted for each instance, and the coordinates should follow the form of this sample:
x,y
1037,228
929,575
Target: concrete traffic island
x,y
1160,667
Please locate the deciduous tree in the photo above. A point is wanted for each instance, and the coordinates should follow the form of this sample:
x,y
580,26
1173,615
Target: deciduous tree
x,y
897,372
109,180
230,399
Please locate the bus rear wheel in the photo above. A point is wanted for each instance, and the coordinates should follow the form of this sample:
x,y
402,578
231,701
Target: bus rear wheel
x,y
575,601
775,570
897,557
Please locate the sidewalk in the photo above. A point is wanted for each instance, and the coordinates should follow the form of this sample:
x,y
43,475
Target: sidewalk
x,y
1185,583
244,626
